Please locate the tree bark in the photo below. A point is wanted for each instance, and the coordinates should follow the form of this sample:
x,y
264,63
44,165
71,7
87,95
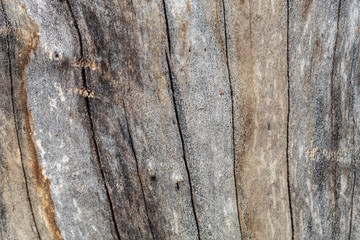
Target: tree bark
x,y
179,119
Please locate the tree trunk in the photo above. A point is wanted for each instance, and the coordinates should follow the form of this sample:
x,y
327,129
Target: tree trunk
x,y
179,119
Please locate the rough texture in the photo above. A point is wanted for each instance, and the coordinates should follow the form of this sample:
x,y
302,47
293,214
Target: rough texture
x,y
323,129
179,119
15,206
255,31
203,101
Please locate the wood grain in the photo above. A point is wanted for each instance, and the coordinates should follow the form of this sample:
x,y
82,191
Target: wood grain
x,y
323,83
179,119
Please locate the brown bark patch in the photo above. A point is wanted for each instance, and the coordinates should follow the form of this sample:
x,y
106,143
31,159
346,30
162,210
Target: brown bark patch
x,y
307,6
219,27
188,6
183,32
28,41
319,47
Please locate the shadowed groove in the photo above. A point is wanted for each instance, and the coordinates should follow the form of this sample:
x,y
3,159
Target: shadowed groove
x,y
177,116
131,142
83,74
232,110
335,130
288,121
183,145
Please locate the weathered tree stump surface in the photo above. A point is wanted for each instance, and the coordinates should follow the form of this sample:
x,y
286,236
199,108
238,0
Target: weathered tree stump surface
x,y
179,119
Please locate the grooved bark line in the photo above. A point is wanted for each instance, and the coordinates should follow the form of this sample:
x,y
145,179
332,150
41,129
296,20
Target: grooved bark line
x,y
287,123
232,104
14,115
182,138
137,170
168,55
179,119
335,130
83,74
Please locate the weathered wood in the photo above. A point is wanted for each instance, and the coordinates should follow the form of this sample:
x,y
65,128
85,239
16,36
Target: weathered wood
x,y
179,119
323,68
130,78
52,124
257,30
203,101
15,206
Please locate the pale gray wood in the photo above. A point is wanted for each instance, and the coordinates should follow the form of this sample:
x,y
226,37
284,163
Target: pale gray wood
x,y
345,103
323,67
312,36
64,182
346,82
203,101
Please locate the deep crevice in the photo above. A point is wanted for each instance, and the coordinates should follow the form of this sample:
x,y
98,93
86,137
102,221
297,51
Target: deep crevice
x,y
177,116
182,143
232,110
131,142
167,26
83,75
288,121
15,118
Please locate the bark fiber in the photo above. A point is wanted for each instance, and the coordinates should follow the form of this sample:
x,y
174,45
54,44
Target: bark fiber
x,y
179,119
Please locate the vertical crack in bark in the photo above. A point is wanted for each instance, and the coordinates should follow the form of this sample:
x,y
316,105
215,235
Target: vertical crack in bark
x,y
83,74
288,121
7,25
131,142
183,144
334,132
232,109
167,26
177,116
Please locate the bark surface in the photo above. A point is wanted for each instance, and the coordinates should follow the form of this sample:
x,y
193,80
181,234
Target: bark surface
x,y
179,119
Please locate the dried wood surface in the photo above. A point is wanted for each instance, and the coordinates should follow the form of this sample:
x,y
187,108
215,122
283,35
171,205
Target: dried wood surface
x,y
179,119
